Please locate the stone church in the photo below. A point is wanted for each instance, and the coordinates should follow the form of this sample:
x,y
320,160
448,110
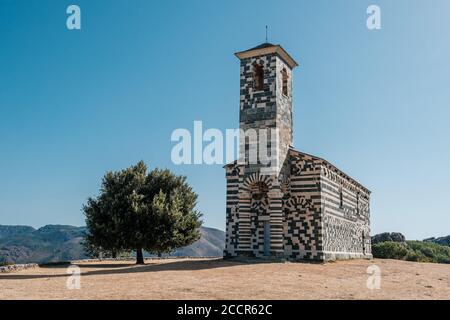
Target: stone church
x,y
306,209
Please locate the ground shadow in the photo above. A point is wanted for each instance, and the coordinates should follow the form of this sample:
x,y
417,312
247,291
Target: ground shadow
x,y
119,268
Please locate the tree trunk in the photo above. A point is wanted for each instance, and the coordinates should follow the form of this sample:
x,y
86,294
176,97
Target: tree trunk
x,y
114,255
159,254
139,256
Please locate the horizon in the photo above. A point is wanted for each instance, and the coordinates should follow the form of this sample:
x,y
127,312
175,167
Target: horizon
x,y
203,226
67,225
76,104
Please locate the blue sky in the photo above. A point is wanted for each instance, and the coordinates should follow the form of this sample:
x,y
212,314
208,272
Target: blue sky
x,y
74,104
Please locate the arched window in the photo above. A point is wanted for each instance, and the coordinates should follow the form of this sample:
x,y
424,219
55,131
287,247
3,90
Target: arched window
x,y
258,77
259,190
285,79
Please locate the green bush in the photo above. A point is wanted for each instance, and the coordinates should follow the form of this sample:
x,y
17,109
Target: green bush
x,y
390,250
418,251
431,251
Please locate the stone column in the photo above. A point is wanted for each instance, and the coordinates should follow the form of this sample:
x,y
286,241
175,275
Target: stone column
x,y
244,224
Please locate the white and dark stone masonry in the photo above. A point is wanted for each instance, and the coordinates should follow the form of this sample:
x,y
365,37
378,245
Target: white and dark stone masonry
x,y
308,209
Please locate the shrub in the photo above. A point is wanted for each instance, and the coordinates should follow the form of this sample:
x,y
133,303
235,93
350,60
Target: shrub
x,y
418,251
390,250
431,251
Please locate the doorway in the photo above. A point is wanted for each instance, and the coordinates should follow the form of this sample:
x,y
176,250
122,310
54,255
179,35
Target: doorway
x,y
363,243
266,238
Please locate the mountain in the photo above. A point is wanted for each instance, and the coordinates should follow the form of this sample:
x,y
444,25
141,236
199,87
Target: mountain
x,y
211,244
53,243
445,241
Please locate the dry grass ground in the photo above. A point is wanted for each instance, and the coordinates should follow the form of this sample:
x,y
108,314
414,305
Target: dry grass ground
x,y
218,279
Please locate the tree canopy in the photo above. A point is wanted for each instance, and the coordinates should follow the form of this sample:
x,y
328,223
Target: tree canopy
x,y
136,210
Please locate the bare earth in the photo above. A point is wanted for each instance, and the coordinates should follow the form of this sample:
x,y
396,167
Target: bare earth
x,y
219,279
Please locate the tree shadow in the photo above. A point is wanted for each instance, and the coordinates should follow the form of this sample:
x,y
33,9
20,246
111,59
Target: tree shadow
x,y
120,268
105,265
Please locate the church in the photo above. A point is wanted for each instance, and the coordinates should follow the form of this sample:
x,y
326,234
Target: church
x,y
305,209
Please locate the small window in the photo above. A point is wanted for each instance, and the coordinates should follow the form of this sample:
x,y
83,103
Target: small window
x,y
341,198
258,77
285,79
357,202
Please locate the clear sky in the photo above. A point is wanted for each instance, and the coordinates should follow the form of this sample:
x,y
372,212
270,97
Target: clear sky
x,y
74,104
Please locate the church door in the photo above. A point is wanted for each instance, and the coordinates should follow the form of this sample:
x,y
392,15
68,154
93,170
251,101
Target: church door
x,y
266,238
363,243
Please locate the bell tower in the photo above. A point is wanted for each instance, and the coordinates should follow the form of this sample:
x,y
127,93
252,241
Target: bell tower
x,y
254,206
266,103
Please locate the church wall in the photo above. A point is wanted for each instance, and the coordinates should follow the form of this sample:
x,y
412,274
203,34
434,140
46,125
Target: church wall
x,y
246,215
284,109
269,107
346,218
314,224
302,210
234,179
251,98
258,108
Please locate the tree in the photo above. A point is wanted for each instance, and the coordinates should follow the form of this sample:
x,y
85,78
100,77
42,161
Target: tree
x,y
99,239
139,211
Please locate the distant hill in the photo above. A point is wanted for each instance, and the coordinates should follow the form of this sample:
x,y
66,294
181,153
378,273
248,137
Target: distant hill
x,y
211,244
53,243
445,241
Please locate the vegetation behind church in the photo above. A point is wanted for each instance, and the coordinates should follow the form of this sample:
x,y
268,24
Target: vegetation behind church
x,y
394,246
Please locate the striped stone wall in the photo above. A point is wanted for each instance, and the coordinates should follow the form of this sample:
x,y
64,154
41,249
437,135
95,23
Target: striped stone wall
x,y
346,216
268,108
309,219
247,213
303,232
234,176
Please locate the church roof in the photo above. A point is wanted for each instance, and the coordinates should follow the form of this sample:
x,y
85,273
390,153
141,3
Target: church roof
x,y
262,46
324,162
268,48
331,166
